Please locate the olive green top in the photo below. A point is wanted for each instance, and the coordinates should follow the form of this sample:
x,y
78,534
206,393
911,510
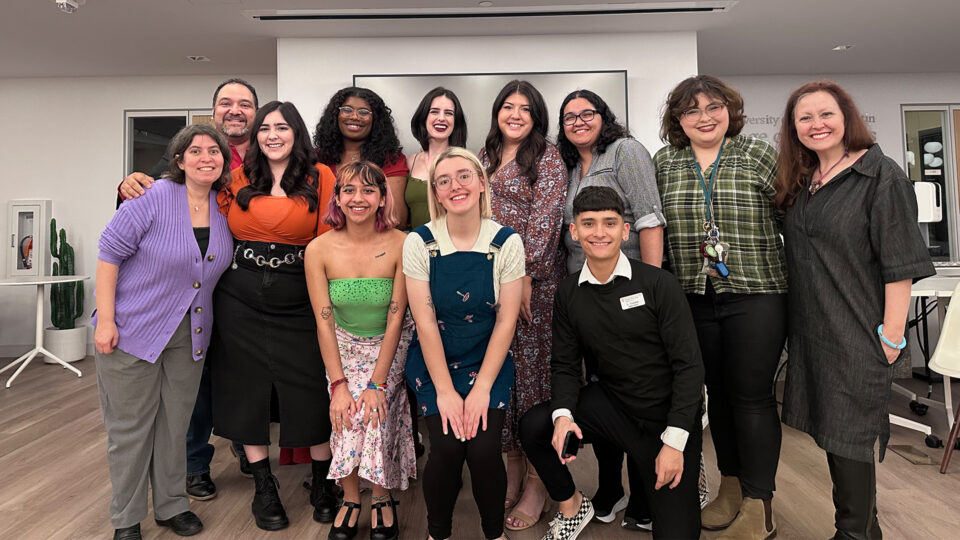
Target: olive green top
x,y
416,198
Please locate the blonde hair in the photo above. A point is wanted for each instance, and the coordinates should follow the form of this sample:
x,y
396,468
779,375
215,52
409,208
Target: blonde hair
x,y
437,209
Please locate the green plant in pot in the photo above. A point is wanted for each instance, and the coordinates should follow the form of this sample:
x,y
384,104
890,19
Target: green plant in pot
x,y
65,340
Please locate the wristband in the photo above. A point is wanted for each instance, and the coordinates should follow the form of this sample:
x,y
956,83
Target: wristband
x,y
375,386
889,343
334,384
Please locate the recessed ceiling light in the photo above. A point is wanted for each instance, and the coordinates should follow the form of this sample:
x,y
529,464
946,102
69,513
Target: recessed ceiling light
x,y
485,4
198,58
842,47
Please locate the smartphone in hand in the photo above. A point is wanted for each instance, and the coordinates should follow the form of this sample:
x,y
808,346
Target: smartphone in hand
x,y
571,445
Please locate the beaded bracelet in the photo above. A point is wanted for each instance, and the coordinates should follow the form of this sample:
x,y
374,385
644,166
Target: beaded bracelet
x,y
334,384
889,343
377,386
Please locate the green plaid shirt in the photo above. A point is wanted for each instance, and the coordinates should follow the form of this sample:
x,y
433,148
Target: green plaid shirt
x,y
743,211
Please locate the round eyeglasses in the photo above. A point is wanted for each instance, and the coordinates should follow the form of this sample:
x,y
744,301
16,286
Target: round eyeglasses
x,y
587,115
445,183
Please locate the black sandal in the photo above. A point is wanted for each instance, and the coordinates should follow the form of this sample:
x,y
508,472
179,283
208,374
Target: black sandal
x,y
344,531
381,532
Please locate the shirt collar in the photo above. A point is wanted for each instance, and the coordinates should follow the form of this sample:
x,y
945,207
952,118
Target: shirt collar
x,y
621,269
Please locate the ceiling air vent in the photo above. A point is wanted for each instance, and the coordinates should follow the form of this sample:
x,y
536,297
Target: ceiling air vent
x,y
632,8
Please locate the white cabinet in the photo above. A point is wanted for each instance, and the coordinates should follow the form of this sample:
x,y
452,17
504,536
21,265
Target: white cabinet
x,y
28,233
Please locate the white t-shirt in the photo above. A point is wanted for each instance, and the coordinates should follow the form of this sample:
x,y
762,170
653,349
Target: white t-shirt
x,y
507,266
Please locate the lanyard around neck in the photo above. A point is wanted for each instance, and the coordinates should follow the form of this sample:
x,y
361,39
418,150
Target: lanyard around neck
x,y
708,192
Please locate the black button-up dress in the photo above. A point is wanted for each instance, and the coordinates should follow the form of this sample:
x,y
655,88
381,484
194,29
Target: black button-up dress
x,y
858,233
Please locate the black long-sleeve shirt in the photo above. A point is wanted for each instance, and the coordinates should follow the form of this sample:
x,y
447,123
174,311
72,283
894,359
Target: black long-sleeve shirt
x,y
646,357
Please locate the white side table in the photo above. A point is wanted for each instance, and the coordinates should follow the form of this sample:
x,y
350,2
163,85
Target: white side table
x,y
40,282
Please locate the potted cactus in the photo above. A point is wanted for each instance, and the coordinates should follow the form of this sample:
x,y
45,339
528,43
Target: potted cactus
x,y
64,339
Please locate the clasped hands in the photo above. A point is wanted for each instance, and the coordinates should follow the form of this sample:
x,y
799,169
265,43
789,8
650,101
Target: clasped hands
x,y
463,416
343,408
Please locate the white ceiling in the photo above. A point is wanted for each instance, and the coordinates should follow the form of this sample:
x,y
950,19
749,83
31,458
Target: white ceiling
x,y
755,37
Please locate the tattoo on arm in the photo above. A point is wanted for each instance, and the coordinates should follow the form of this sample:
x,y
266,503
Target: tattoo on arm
x,y
394,307
380,255
326,312
430,303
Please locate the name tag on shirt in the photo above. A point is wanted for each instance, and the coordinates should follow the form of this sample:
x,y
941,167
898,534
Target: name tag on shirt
x,y
632,301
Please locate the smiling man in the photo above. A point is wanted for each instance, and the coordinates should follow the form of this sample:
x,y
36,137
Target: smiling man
x,y
631,324
234,106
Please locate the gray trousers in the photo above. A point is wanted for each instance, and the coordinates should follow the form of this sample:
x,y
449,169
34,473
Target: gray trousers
x,y
146,411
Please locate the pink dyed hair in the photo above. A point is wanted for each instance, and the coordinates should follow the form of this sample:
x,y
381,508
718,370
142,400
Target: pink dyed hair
x,y
370,175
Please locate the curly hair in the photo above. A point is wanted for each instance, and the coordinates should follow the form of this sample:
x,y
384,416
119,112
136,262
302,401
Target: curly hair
x,y
418,123
381,144
533,147
370,175
795,162
183,140
300,179
610,128
684,96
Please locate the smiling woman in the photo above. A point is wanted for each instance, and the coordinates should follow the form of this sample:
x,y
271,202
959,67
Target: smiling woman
x,y
527,184
724,246
357,125
266,340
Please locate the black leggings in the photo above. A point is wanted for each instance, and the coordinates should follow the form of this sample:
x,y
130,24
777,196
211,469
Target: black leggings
x,y
444,469
741,337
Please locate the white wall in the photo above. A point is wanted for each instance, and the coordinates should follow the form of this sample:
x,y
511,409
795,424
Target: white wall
x,y
878,96
309,71
64,141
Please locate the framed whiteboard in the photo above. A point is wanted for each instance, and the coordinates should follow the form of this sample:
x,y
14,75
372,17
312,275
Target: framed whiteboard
x,y
476,91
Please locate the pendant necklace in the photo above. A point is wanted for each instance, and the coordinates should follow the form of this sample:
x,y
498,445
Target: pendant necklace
x,y
815,186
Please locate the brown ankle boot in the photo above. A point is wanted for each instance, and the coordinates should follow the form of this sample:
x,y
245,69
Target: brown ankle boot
x,y
721,512
755,522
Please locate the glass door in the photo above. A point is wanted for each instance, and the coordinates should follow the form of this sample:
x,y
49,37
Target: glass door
x,y
930,159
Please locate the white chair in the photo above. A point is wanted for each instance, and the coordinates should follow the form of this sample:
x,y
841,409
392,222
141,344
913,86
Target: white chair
x,y
946,361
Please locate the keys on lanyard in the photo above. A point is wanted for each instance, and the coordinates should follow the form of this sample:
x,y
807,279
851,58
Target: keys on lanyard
x,y
714,252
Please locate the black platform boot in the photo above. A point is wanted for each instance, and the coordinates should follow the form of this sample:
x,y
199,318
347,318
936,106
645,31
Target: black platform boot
x,y
267,508
325,503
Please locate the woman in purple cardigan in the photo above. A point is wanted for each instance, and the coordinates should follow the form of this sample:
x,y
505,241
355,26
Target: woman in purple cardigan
x,y
160,258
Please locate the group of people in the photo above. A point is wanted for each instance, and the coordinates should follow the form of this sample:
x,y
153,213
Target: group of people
x,y
525,312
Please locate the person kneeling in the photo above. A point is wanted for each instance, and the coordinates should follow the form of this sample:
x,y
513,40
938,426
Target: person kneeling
x,y
631,324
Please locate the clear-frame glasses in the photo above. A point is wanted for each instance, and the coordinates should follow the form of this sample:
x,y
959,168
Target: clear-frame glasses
x,y
347,110
444,183
694,114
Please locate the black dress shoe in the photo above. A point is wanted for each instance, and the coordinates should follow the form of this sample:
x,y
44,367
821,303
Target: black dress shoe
x,y
128,533
200,487
381,532
344,531
184,524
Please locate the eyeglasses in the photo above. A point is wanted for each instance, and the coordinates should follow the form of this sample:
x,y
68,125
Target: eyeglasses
x,y
347,110
444,183
694,114
570,119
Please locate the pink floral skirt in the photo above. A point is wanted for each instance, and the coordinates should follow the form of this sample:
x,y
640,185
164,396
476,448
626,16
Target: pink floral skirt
x,y
383,455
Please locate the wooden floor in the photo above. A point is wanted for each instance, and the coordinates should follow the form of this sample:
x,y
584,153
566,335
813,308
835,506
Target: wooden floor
x,y
54,482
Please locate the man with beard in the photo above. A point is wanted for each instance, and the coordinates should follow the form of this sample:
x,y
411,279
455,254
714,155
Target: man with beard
x,y
234,106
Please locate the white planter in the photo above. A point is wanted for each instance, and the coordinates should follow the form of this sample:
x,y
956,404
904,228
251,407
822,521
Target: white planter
x,y
67,345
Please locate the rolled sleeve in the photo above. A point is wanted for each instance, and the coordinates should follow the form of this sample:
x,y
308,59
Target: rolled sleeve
x,y
637,177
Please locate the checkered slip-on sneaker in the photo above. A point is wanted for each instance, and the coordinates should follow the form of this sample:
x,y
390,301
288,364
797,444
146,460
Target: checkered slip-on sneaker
x,y
568,528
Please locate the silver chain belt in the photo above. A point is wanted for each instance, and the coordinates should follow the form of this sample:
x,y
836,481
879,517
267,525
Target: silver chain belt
x,y
272,262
